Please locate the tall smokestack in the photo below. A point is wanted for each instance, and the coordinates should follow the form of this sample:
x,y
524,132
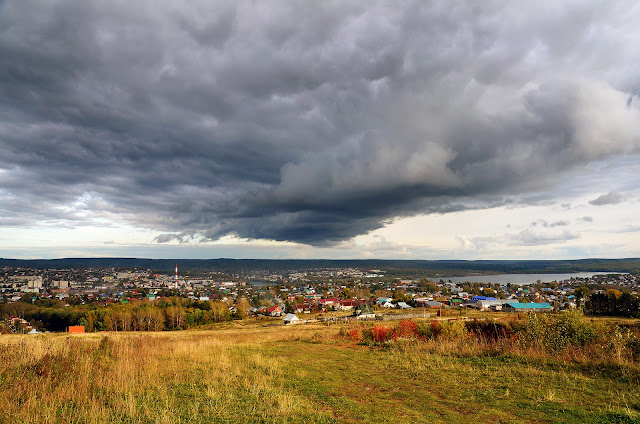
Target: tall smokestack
x,y
176,273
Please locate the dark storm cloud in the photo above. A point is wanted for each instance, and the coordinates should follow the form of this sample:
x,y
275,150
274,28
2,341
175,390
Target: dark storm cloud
x,y
311,122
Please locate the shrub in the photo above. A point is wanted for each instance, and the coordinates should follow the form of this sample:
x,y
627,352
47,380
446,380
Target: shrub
x,y
554,333
428,330
382,334
407,329
356,334
453,330
366,335
568,333
488,330
633,344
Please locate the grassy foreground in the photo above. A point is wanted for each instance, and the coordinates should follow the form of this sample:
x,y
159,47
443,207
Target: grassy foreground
x,y
303,374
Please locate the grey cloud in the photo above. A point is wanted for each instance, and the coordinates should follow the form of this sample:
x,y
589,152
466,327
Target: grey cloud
x,y
381,244
531,238
166,238
586,219
611,198
180,238
526,237
545,224
628,229
311,122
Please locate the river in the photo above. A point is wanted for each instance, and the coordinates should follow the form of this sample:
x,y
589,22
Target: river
x,y
520,279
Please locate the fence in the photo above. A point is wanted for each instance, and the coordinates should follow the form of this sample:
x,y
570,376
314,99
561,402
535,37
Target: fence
x,y
405,316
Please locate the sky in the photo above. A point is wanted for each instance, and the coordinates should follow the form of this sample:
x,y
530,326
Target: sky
x,y
334,129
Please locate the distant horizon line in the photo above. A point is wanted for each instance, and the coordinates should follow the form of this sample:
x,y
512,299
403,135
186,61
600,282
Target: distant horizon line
x,y
316,259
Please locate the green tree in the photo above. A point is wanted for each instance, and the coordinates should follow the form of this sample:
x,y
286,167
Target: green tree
x,y
243,306
346,293
580,293
400,296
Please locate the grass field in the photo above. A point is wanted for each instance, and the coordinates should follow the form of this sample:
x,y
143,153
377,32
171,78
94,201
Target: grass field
x,y
302,374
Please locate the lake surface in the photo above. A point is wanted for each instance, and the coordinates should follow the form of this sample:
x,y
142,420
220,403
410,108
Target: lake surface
x,y
520,279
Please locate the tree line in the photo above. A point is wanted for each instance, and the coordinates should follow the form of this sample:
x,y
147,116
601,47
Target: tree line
x,y
167,314
613,302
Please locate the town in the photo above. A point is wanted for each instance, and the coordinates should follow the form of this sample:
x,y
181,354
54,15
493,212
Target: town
x,y
33,300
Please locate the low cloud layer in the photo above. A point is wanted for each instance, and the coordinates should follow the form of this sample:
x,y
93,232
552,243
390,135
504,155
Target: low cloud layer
x,y
310,122
522,238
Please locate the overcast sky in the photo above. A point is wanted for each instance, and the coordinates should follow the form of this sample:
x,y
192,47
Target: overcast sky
x,y
332,129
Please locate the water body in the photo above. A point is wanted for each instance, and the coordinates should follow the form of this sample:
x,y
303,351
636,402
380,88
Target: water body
x,y
520,279
262,283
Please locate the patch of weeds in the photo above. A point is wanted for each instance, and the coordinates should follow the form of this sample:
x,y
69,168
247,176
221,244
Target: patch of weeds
x,y
68,408
619,418
619,373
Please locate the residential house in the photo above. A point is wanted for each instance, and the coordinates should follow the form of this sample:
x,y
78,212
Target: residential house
x,y
275,311
346,304
476,298
303,308
364,311
527,307
432,304
291,319
329,303
486,304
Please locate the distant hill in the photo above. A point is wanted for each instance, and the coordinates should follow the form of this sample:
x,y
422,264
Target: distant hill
x,y
417,267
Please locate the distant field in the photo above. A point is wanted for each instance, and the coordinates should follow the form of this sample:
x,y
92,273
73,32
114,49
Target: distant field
x,y
301,374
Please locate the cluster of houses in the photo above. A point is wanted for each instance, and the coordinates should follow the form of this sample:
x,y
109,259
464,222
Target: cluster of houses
x,y
511,305
364,309
361,312
273,311
298,293
463,300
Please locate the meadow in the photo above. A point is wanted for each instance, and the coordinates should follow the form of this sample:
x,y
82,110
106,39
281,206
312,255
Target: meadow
x,y
246,373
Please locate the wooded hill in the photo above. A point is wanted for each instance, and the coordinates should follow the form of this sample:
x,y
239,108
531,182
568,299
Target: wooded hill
x,y
394,267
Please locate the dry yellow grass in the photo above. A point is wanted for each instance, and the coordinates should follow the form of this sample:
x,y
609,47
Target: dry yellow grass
x,y
195,376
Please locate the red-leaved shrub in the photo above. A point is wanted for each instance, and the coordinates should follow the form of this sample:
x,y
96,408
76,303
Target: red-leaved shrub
x,y
356,334
382,334
408,329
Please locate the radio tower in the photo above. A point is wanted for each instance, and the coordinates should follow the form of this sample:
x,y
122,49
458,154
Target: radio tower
x,y
176,273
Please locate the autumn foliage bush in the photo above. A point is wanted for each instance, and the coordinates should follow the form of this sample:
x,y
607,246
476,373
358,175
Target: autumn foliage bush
x,y
430,330
407,329
382,334
355,334
568,333
489,330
